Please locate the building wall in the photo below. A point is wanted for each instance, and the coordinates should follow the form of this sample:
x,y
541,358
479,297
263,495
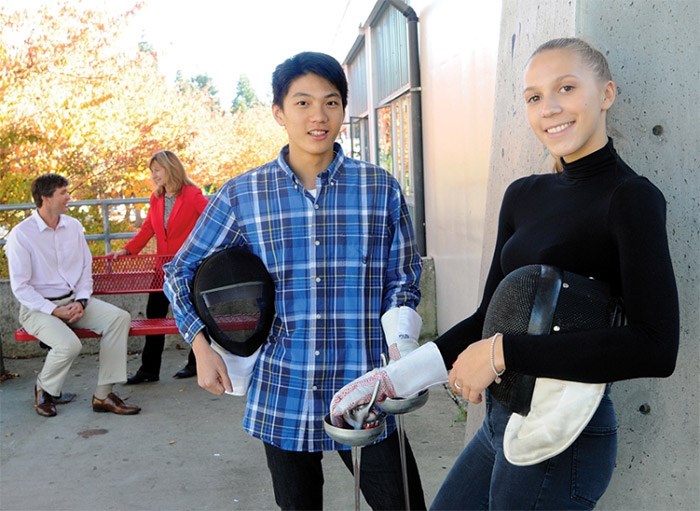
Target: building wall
x,y
459,46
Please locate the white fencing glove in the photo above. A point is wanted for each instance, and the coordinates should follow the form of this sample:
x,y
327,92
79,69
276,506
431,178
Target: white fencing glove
x,y
417,371
401,327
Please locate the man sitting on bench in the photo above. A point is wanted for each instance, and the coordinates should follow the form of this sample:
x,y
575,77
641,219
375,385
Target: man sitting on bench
x,y
51,276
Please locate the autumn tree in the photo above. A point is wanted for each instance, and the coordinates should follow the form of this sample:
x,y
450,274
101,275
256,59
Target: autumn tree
x,y
200,82
76,100
64,111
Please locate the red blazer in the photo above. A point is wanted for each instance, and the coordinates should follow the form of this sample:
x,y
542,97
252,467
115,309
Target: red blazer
x,y
188,206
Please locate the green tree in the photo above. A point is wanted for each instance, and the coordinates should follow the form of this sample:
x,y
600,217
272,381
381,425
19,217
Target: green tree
x,y
245,95
205,83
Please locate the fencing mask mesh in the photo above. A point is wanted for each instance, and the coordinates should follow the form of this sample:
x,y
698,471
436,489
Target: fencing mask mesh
x,y
537,300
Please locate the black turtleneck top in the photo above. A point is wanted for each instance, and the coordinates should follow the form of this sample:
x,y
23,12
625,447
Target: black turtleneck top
x,y
597,218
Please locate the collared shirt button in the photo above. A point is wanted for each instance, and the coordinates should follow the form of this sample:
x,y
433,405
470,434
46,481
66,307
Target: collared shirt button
x,y
317,353
314,387
317,242
316,206
318,279
318,316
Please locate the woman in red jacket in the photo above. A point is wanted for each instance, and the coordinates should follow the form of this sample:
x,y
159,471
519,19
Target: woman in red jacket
x,y
175,206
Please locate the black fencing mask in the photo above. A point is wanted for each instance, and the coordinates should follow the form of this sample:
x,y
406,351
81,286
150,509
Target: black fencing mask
x,y
234,296
538,300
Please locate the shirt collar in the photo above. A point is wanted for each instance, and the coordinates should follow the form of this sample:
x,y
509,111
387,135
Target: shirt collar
x,y
329,175
42,225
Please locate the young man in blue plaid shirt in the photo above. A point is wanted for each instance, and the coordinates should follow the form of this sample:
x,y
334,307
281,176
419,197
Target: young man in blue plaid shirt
x,y
336,237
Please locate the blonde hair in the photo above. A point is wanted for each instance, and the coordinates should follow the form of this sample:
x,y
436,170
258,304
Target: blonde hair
x,y
174,171
589,55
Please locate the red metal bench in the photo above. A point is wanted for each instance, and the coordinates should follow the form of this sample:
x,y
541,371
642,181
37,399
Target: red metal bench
x,y
138,274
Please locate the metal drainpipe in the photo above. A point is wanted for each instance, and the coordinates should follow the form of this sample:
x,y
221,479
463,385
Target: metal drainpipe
x,y
417,120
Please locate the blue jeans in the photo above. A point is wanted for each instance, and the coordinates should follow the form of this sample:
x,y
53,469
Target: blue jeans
x,y
297,477
482,478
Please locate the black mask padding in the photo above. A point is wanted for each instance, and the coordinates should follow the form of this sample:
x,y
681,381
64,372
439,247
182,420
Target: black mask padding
x,y
541,300
234,296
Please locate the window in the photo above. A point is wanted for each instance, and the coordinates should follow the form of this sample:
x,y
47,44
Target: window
x,y
379,107
359,138
394,142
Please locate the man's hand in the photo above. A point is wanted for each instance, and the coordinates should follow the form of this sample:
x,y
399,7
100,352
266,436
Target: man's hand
x,y
211,370
406,377
70,313
359,392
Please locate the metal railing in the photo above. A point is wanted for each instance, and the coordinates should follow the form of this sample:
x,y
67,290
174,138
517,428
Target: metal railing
x,y
105,206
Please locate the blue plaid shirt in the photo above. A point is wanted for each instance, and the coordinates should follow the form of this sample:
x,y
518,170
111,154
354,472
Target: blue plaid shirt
x,y
338,260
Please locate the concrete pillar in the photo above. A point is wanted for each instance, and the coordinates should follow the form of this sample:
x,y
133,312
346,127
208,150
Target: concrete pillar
x,y
654,54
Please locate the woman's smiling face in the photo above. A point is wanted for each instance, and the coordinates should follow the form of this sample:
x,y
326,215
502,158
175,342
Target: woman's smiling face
x,y
567,103
159,175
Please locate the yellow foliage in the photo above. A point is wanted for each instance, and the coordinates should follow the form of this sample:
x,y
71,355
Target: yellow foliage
x,y
72,101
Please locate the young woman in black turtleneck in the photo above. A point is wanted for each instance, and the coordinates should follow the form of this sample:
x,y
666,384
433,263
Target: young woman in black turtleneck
x,y
596,217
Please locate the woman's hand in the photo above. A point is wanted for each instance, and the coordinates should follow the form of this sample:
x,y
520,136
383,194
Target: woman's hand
x,y
472,372
118,253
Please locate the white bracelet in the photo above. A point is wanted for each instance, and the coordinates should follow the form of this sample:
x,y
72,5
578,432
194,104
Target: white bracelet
x,y
493,362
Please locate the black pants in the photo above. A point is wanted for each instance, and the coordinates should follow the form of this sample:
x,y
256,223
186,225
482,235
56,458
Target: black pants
x,y
297,477
157,307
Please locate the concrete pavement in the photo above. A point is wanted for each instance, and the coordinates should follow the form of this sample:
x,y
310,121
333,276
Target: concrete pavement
x,y
186,450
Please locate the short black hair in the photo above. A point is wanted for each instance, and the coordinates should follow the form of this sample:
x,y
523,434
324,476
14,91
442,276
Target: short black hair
x,y
304,63
45,185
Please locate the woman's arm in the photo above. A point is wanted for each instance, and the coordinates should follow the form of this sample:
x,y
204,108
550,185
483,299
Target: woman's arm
x,y
146,232
648,345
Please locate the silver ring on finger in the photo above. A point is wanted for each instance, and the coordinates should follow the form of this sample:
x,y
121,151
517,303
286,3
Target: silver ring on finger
x,y
458,385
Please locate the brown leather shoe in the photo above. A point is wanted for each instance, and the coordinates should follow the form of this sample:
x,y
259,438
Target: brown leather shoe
x,y
43,403
113,403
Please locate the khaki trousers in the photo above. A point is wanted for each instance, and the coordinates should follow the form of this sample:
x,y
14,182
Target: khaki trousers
x,y
102,317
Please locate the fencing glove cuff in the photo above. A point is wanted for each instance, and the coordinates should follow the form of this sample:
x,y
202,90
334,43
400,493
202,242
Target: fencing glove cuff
x,y
401,327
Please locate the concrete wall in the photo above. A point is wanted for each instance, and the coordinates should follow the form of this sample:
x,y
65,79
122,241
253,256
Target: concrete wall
x,y
654,51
